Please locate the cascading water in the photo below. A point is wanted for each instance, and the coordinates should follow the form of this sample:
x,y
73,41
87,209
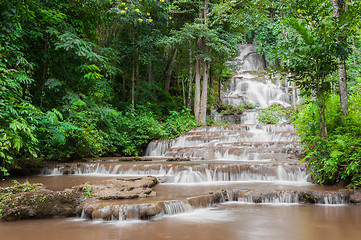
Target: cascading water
x,y
251,85
183,174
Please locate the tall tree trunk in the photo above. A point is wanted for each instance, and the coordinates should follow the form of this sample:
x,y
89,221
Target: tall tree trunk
x,y
170,71
343,86
184,93
219,86
137,80
322,114
205,73
133,69
189,103
45,67
123,86
150,66
150,72
204,93
197,89
338,7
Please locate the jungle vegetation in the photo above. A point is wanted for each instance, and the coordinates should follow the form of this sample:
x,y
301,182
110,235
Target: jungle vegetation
x,y
85,78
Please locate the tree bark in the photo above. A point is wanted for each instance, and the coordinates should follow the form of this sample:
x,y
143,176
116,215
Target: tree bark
x,y
204,93
150,72
219,86
133,69
137,67
189,103
170,71
197,89
338,7
203,117
150,66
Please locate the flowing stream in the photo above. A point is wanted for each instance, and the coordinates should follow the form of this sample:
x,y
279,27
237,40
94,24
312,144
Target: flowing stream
x,y
252,170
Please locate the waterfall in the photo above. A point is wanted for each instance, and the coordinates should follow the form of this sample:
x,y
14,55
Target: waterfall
x,y
251,85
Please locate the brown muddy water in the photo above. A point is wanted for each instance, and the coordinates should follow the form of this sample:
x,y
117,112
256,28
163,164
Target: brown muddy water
x,y
230,221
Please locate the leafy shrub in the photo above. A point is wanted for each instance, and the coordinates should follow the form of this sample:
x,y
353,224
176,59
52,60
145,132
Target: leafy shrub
x,y
178,123
336,159
272,115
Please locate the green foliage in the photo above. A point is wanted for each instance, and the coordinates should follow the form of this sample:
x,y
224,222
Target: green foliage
x,y
272,115
17,119
341,158
178,123
87,190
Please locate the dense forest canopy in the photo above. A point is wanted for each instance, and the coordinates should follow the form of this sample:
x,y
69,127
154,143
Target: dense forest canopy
x,y
83,78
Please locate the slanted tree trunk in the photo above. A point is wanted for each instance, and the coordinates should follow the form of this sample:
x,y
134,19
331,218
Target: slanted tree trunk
x,y
339,6
170,71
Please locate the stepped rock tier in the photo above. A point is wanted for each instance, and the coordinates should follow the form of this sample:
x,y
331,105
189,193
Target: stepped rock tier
x,y
207,166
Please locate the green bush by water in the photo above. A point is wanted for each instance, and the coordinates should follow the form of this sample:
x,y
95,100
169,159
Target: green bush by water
x,y
336,159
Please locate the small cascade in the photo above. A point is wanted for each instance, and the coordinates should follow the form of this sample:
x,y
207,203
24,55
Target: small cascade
x,y
99,169
293,197
125,212
176,207
183,174
249,117
280,198
158,147
332,199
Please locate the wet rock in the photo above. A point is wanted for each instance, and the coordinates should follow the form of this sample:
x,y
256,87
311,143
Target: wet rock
x,y
355,197
41,203
111,210
124,188
206,200
178,159
45,203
